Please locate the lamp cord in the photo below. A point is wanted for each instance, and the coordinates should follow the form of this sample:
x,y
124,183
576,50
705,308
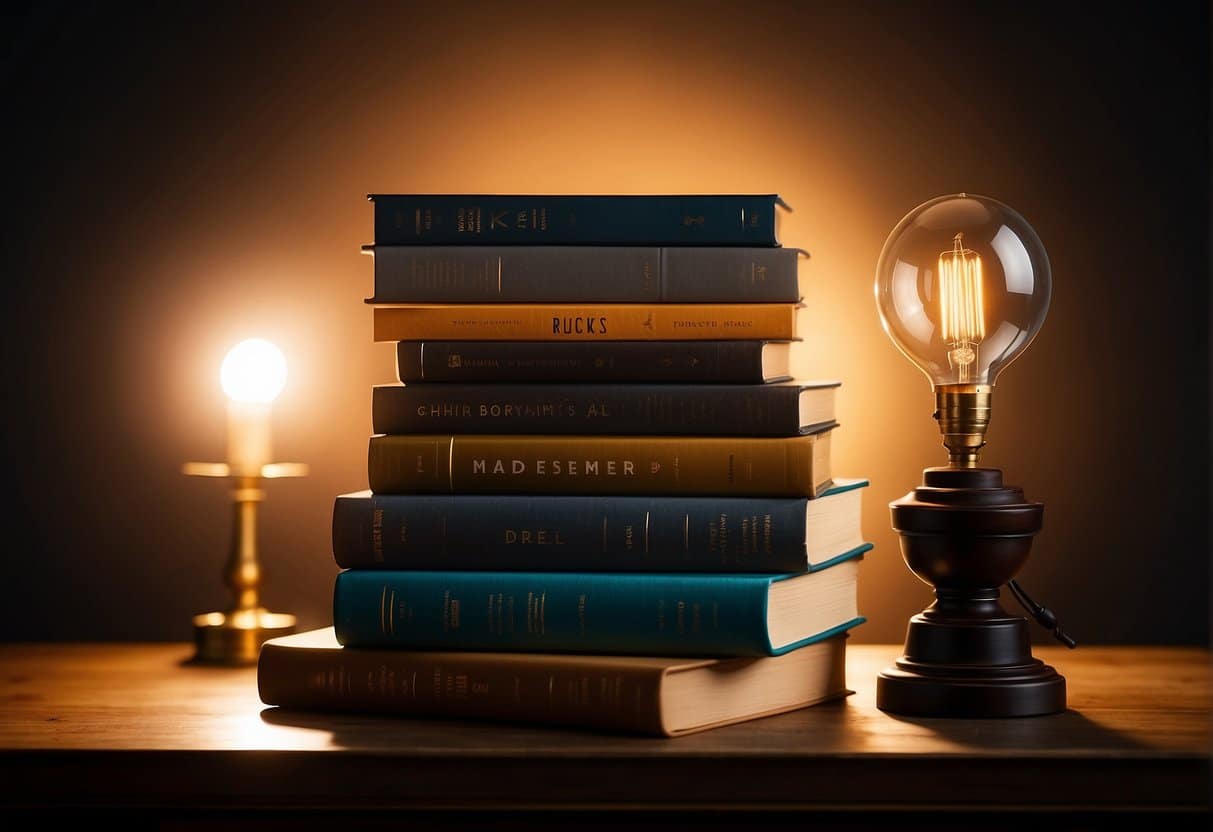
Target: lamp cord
x,y
1043,615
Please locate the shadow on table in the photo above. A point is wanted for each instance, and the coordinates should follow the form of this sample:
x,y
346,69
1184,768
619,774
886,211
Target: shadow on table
x,y
1069,730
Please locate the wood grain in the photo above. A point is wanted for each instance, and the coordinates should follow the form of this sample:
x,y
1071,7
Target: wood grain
x,y
135,725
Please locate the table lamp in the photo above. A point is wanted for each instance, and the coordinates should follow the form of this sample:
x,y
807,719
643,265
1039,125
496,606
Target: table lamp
x,y
963,285
252,376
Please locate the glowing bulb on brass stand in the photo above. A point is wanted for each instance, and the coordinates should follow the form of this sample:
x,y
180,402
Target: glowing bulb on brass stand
x,y
963,285
252,375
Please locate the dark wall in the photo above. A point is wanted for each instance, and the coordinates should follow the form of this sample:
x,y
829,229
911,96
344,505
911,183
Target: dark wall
x,y
177,180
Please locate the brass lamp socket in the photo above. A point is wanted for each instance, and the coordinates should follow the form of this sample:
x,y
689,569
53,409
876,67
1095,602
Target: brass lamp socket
x,y
963,413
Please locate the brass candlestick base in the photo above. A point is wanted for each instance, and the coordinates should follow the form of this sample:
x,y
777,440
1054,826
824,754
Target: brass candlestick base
x,y
234,637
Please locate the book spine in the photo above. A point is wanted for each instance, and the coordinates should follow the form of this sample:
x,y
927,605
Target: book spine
x,y
726,274
556,534
576,322
556,612
616,409
572,274
644,465
589,694
517,274
743,220
707,362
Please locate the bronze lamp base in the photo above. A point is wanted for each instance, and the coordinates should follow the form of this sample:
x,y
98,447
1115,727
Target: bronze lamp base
x,y
235,638
965,656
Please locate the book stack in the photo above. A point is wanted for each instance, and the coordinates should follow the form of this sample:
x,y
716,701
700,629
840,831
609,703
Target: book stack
x,y
597,498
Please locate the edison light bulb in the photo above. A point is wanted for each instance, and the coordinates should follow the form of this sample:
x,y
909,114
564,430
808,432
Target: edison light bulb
x,y
252,375
963,286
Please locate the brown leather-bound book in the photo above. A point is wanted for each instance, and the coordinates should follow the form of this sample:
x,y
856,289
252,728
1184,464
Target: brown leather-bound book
x,y
631,694
740,466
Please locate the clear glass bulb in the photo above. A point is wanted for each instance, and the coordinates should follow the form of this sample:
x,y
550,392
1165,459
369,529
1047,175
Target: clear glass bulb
x,y
963,285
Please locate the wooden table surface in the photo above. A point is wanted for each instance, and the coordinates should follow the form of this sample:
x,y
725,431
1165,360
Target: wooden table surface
x,y
137,726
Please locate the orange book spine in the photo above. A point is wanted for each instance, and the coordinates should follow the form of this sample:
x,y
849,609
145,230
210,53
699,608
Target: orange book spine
x,y
582,322
738,466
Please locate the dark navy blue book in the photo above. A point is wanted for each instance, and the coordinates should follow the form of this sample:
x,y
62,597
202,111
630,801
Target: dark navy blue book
x,y
517,219
790,408
665,614
687,362
572,274
540,533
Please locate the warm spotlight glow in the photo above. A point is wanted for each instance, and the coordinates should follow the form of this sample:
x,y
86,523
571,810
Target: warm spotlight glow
x,y
254,371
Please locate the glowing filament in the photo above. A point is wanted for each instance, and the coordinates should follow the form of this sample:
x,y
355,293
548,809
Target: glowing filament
x,y
960,304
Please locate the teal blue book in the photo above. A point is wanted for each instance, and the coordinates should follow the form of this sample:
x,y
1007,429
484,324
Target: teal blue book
x,y
568,612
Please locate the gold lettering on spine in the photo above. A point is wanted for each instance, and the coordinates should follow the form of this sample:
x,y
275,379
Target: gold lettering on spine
x,y
382,611
377,533
450,466
498,278
391,613
646,532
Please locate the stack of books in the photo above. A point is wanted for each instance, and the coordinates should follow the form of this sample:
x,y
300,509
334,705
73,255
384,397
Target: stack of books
x,y
597,498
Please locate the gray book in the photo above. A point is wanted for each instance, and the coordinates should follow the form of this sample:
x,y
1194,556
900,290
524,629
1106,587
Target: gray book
x,y
570,274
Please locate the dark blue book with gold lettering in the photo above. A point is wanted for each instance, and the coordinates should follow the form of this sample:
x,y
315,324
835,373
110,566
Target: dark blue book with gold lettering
x,y
690,362
511,219
599,533
789,408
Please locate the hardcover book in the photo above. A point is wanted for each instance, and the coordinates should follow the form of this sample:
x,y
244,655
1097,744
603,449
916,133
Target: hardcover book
x,y
631,694
786,408
577,274
653,220
587,322
595,612
533,533
696,362
796,466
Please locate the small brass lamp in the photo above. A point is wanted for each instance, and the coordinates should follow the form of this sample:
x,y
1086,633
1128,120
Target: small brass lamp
x,y
252,376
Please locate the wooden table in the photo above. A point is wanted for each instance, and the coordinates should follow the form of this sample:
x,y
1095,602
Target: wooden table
x,y
134,730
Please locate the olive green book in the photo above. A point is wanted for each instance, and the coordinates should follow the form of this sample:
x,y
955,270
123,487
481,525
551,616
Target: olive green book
x,y
738,466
